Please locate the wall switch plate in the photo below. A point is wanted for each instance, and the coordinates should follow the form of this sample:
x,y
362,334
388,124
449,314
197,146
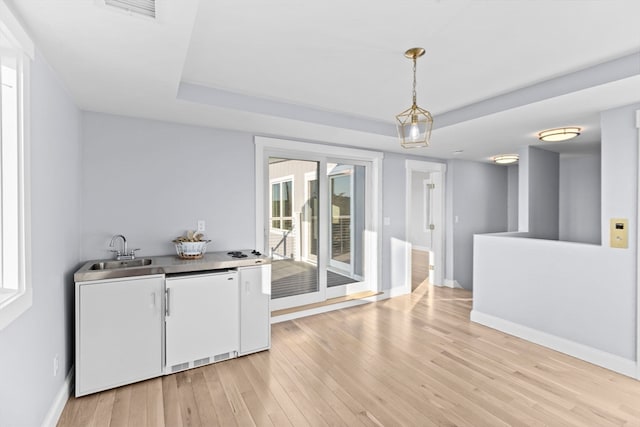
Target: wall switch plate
x,y
619,233
201,226
387,220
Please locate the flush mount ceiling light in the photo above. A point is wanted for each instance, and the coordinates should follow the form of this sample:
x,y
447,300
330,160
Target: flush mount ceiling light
x,y
559,134
505,159
415,123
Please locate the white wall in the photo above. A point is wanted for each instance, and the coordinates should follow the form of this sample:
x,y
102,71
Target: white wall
x,y
479,205
579,297
29,344
579,209
151,181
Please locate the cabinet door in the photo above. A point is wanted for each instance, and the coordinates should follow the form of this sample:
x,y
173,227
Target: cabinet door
x,y
118,332
202,318
255,316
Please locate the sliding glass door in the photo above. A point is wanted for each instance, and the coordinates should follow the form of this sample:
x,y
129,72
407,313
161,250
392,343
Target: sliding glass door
x,y
316,228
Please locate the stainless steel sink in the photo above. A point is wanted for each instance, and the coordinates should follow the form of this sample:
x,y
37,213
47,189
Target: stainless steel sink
x,y
110,265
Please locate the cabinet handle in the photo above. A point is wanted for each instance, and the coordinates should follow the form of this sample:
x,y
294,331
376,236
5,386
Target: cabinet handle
x,y
153,300
167,298
246,287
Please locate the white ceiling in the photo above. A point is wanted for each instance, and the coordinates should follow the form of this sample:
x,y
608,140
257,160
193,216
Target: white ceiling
x,y
314,66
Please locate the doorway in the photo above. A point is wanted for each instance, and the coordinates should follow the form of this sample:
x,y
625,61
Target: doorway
x,y
424,222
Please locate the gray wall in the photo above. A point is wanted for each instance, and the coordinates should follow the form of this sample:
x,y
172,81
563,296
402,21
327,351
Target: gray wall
x,y
579,209
393,207
544,193
29,344
512,197
173,175
479,201
152,181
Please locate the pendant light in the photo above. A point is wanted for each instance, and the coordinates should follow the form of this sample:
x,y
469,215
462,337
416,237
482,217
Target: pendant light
x,y
415,123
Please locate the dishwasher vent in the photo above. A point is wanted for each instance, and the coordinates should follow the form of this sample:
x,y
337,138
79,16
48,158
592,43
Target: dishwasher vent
x,y
139,7
180,367
222,356
201,362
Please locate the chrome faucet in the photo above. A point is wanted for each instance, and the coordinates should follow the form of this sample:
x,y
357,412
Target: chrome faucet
x,y
124,254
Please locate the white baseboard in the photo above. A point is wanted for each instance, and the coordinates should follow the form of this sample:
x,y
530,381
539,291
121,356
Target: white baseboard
x,y
53,415
592,355
399,291
452,283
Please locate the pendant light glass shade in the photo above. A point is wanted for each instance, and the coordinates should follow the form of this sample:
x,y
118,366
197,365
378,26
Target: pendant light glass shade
x,y
414,127
414,124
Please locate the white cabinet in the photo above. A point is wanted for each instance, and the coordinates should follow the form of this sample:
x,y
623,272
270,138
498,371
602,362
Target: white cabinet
x,y
255,315
118,332
136,328
201,319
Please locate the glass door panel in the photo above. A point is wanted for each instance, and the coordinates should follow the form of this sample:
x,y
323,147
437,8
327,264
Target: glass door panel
x,y
347,187
340,227
293,232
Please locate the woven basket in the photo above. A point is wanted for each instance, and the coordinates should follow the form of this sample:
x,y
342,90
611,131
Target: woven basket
x,y
191,250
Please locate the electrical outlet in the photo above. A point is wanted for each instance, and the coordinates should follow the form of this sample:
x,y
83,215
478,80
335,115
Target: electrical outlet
x,y
56,365
201,226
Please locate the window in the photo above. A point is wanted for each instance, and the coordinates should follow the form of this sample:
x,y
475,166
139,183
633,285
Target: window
x,y
281,205
15,286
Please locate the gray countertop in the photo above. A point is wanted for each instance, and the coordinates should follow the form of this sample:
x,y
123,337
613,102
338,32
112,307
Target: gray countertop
x,y
169,264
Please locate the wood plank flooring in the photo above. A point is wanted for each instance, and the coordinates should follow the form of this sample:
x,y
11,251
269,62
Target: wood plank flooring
x,y
419,267
414,360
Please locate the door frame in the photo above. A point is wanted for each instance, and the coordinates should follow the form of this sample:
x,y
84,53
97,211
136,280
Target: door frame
x,y
305,255
438,177
638,255
266,147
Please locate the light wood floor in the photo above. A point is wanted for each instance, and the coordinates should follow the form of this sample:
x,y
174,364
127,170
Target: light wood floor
x,y
411,360
419,267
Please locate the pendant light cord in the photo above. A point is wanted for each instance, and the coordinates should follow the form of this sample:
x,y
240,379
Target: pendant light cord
x,y
414,81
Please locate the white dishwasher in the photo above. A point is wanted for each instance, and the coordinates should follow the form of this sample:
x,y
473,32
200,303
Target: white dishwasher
x,y
201,319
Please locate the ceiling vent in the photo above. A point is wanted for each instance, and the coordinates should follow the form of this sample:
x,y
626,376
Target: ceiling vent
x,y
140,7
